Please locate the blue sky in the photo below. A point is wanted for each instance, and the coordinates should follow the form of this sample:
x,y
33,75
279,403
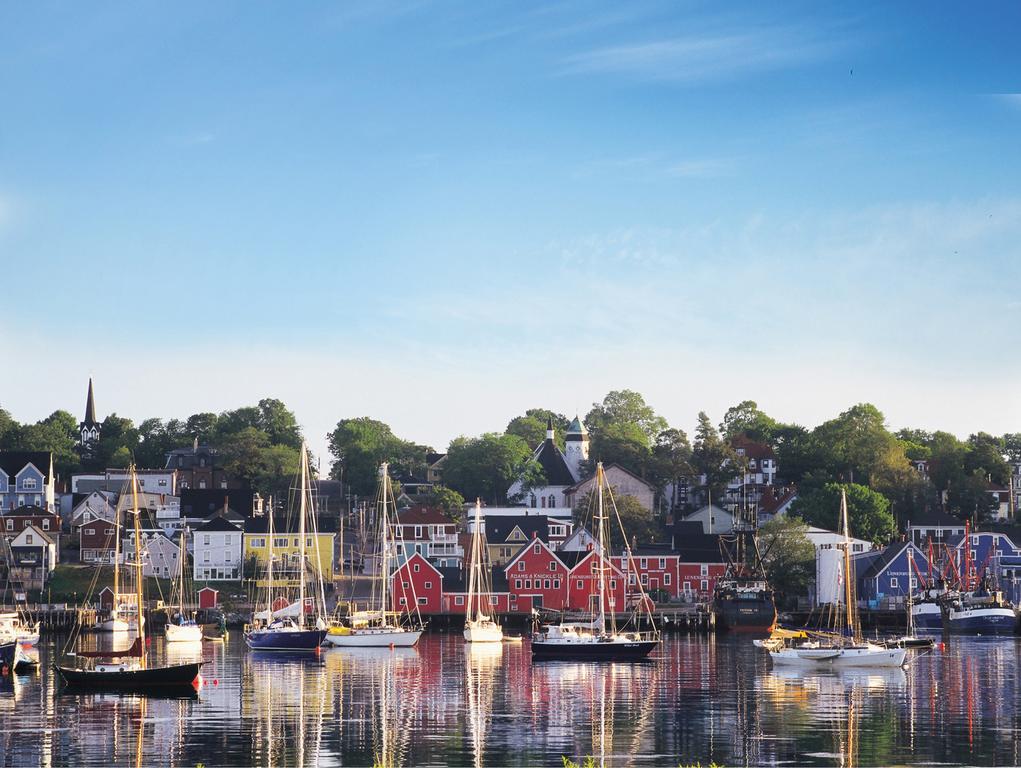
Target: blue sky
x,y
440,214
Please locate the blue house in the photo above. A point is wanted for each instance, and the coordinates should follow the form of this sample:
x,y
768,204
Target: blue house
x,y
885,574
26,480
985,548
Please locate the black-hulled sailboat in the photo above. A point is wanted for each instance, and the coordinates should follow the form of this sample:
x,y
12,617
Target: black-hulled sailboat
x,y
128,670
593,640
743,600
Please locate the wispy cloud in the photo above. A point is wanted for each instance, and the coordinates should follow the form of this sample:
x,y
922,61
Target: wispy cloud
x,y
709,56
1010,99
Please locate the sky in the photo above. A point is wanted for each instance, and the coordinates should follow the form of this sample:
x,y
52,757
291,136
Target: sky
x,y
441,214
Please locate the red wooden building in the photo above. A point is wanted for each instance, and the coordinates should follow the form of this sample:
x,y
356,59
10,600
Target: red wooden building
x,y
417,582
537,577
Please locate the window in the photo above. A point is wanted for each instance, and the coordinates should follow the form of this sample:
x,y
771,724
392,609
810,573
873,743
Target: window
x,y
546,584
422,601
405,584
705,586
279,541
202,483
528,583
552,501
613,583
403,601
581,584
643,563
226,540
415,568
46,524
162,483
206,539
666,579
10,525
662,563
428,585
537,548
704,570
517,583
521,565
893,582
459,600
552,565
494,600
28,538
90,531
28,483
556,583
297,541
418,531
645,579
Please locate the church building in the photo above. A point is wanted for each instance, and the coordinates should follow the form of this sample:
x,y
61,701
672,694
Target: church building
x,y
89,428
562,468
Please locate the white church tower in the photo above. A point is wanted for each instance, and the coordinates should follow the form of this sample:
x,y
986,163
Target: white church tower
x,y
576,447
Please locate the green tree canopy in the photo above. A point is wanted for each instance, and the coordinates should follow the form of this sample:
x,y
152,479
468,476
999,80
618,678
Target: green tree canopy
x,y
745,418
787,556
58,433
868,511
712,456
638,522
486,466
360,445
625,407
531,427
449,501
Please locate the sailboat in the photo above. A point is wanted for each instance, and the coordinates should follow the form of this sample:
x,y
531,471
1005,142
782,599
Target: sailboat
x,y
909,639
182,628
129,669
593,640
121,618
479,626
838,650
381,626
288,628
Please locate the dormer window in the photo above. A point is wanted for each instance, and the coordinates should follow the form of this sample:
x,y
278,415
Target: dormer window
x,y
29,484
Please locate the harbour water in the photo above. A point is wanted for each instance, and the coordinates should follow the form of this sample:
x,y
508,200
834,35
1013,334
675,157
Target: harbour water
x,y
699,700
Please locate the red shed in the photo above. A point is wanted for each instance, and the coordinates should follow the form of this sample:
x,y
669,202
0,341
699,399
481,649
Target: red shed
x,y
208,597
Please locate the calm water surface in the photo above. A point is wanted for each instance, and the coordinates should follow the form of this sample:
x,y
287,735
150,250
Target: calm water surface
x,y
701,699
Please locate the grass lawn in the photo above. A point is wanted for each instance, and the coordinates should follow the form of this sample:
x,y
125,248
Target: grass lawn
x,y
70,583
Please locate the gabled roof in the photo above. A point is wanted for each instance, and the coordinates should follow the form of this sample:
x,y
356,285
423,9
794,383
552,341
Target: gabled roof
x,y
12,462
455,580
524,548
418,556
885,557
33,530
432,458
694,545
202,502
607,468
751,448
773,498
575,558
28,511
553,463
423,515
499,528
286,525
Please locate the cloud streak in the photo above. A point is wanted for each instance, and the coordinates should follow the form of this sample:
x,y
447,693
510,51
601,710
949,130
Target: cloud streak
x,y
711,56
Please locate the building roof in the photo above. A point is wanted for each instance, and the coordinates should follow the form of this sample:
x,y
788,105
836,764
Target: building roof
x,y
455,579
880,562
28,511
694,545
186,458
12,462
553,463
432,458
90,409
202,502
499,528
606,468
773,498
286,524
32,529
217,523
576,431
751,448
420,514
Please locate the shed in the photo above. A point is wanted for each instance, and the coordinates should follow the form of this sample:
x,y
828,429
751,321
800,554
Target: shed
x,y
208,597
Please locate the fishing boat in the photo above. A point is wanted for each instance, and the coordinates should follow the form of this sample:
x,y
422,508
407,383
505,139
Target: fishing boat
x,y
14,626
594,640
479,626
14,659
182,627
127,670
293,626
380,625
981,611
845,646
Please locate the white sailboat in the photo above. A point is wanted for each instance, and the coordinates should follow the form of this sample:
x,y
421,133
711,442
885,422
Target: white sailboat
x,y
182,628
381,626
479,626
837,650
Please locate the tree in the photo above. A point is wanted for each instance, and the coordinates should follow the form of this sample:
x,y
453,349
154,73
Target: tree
x,y
671,459
116,432
120,458
985,455
637,521
201,426
622,407
857,446
531,427
868,511
968,497
484,467
620,443
8,430
58,433
251,457
360,445
279,423
787,556
448,500
712,456
745,418
1011,445
157,439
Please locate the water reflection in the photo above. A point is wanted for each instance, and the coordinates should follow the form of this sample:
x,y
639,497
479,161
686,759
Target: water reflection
x,y
482,666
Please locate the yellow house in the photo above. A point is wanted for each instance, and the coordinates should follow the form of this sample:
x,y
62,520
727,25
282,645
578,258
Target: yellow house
x,y
287,551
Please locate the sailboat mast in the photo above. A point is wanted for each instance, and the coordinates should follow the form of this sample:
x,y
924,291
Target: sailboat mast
x,y
472,585
117,552
384,554
184,549
911,618
269,569
301,534
138,560
599,553
848,591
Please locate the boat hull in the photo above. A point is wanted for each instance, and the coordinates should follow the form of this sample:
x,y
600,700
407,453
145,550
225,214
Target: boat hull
x,y
840,657
927,617
487,632
634,650
178,676
287,640
368,638
980,621
743,615
117,625
184,633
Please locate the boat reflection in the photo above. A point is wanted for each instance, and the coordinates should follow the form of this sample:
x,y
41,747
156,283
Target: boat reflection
x,y
483,662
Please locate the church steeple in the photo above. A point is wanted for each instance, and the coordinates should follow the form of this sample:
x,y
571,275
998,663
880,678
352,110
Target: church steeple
x,y
576,447
90,407
549,427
